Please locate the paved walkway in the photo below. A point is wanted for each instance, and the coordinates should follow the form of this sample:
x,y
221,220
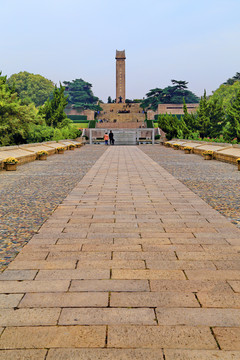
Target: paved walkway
x,y
132,265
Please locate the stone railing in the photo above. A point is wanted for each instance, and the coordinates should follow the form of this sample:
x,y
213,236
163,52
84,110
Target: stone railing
x,y
28,152
221,151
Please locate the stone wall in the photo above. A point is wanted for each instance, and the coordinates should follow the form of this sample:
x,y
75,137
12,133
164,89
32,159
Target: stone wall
x,y
88,113
176,109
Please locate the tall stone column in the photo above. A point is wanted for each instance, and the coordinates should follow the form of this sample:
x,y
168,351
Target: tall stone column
x,y
120,76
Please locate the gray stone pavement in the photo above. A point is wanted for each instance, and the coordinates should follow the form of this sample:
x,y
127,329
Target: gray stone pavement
x,y
216,182
131,265
29,195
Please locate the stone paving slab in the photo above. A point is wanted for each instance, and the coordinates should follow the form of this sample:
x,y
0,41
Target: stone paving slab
x,y
193,286
216,300
132,264
107,316
73,274
53,337
235,285
29,317
161,337
42,264
147,274
171,354
72,299
105,354
198,317
18,275
156,299
109,285
9,300
39,354
34,286
228,338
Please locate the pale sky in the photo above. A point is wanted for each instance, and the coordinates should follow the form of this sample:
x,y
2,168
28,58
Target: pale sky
x,y
192,40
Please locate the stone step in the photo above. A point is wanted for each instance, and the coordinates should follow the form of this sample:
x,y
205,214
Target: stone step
x,y
118,125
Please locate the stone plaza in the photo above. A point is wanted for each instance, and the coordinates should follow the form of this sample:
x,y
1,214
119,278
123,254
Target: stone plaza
x,y
120,252
132,264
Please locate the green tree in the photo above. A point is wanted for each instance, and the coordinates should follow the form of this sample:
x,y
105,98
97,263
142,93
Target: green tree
x,y
232,80
53,110
173,126
203,117
233,118
15,119
226,93
154,97
109,100
180,84
217,117
169,95
31,87
189,119
80,95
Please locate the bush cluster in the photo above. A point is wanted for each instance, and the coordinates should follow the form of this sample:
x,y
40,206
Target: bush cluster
x,y
21,123
212,122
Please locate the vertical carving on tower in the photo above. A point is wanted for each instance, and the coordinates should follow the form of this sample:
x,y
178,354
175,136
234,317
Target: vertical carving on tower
x,y
120,76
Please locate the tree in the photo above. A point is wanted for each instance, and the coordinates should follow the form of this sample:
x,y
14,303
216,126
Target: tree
x,y
173,126
128,101
233,118
109,100
31,87
189,119
53,110
226,93
217,117
203,116
154,97
15,118
169,95
80,95
232,80
180,84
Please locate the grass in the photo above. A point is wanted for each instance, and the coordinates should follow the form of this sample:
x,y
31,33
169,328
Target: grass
x,y
81,125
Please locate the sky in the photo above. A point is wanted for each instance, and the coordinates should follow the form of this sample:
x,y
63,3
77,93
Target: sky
x,y
191,40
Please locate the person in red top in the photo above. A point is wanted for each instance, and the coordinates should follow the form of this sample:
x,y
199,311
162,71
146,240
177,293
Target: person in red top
x,y
106,138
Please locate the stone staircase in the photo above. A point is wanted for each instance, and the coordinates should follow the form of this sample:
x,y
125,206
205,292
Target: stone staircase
x,y
120,125
121,113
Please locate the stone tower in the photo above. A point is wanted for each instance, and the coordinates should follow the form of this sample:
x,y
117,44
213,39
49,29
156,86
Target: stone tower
x,y
120,76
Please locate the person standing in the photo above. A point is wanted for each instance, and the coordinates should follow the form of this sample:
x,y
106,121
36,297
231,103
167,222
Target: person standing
x,y
106,138
111,138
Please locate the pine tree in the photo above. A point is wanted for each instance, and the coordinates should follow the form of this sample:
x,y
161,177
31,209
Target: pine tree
x,y
233,117
80,95
217,117
203,116
53,110
172,126
189,119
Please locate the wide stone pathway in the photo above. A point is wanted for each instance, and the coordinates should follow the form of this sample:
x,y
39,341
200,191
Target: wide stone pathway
x,y
132,265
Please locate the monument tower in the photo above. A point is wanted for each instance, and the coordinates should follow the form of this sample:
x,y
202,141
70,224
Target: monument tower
x,y
120,76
